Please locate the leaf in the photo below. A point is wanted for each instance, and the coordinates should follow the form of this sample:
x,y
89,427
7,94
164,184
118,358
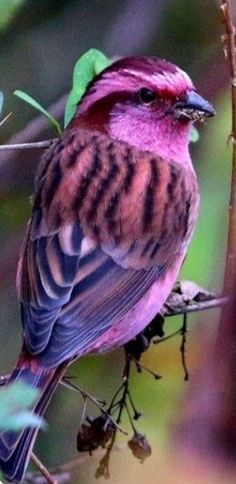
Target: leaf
x,y
15,402
86,68
28,99
194,135
8,9
18,394
1,102
20,420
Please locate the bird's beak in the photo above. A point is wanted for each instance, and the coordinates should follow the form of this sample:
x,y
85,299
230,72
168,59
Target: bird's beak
x,y
194,108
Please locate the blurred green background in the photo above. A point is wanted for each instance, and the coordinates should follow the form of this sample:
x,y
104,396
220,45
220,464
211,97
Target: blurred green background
x,y
40,42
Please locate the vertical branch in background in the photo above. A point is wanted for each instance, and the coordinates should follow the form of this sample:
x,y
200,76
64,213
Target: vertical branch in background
x,y
229,41
208,427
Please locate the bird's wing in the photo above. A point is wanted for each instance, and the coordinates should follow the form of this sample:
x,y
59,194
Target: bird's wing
x,y
98,302
104,227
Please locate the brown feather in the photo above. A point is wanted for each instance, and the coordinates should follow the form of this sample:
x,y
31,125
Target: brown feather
x,y
120,196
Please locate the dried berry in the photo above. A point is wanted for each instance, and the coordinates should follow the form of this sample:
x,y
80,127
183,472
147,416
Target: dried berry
x,y
97,432
140,446
85,439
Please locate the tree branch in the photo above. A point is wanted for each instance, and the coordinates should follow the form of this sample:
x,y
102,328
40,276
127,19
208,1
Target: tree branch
x,y
16,169
27,146
229,45
198,306
64,473
42,469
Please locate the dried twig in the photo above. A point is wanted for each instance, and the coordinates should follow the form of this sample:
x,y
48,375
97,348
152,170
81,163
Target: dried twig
x,y
229,45
121,405
64,473
183,347
4,120
67,383
49,478
28,146
16,169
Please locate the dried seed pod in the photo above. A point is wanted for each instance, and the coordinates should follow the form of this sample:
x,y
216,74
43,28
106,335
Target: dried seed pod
x,y
140,446
97,432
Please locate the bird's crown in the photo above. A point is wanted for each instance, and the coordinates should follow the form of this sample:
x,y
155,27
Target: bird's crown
x,y
130,74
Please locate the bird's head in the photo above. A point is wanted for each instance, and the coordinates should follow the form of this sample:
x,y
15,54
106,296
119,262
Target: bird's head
x,y
146,102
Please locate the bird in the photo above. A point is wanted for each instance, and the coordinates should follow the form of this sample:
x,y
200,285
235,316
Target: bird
x,y
115,204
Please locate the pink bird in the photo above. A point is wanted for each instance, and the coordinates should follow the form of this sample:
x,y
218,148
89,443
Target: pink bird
x,y
115,205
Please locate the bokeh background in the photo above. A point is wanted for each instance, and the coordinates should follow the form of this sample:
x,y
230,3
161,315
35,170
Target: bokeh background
x,y
40,42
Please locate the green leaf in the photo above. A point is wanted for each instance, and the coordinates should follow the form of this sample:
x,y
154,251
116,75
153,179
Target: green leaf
x,y
194,135
8,9
86,68
21,419
15,402
1,102
28,99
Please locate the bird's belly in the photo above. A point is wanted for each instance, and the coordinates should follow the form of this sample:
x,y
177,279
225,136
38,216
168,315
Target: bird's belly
x,y
141,314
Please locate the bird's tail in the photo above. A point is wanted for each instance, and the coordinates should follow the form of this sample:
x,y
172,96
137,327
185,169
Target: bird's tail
x,y
16,447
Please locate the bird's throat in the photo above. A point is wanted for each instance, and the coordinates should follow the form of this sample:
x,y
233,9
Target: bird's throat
x,y
169,141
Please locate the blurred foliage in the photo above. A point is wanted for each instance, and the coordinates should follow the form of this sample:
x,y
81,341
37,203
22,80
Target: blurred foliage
x,y
8,9
13,219
15,402
42,43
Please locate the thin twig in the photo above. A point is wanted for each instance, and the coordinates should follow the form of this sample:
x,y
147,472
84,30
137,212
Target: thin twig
x,y
183,347
140,366
229,46
198,306
49,478
136,414
66,469
28,146
158,341
103,467
4,120
64,381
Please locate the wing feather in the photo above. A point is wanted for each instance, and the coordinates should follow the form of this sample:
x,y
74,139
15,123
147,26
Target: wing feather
x,y
46,278
97,303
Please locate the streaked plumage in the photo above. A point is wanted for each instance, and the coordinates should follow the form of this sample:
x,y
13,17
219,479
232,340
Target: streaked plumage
x,y
109,230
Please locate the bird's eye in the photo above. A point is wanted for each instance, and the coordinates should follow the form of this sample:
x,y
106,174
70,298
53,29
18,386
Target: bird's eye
x,y
146,96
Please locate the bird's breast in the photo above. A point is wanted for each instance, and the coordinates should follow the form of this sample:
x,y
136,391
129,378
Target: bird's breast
x,y
137,206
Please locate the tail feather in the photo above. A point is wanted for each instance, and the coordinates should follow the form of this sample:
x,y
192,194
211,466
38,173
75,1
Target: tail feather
x,y
16,447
